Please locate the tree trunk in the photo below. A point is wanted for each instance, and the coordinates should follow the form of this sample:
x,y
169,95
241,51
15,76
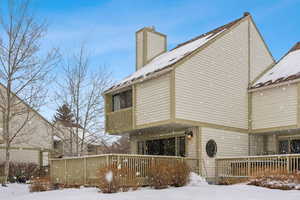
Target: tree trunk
x,y
6,163
71,143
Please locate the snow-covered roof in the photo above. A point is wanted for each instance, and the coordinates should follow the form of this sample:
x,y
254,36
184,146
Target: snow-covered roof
x,y
171,57
287,69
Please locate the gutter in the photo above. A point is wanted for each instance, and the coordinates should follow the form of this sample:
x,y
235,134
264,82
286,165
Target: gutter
x,y
274,85
154,75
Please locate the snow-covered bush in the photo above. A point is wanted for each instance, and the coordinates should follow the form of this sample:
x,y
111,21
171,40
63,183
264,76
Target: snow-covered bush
x,y
117,179
108,179
277,180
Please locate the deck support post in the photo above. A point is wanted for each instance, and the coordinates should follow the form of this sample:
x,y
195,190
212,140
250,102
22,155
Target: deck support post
x,y
84,171
66,178
249,168
216,172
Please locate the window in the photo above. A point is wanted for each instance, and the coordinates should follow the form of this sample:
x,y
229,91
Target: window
x,y
141,147
289,146
56,144
181,141
90,148
122,100
284,147
295,146
211,148
174,146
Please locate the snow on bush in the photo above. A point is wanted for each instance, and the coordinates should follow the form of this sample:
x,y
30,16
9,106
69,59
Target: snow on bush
x,y
277,180
114,179
109,176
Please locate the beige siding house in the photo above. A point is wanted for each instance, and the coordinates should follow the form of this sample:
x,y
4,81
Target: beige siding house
x,y
34,143
207,98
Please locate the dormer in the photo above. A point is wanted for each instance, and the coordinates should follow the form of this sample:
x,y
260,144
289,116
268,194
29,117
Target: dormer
x,y
149,44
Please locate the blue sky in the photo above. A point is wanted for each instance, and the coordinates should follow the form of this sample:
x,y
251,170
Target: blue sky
x,y
108,27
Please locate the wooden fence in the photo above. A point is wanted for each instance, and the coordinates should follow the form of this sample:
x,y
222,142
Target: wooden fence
x,y
244,167
83,170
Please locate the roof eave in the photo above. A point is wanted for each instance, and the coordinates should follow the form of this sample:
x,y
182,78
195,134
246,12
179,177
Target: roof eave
x,y
152,76
274,85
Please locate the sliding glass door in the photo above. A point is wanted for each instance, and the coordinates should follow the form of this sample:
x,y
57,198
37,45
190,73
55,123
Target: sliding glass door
x,y
173,146
289,146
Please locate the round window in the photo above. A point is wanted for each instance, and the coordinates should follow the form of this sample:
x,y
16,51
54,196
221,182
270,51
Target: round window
x,y
211,148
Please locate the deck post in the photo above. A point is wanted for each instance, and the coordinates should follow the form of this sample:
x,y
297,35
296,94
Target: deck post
x,y
66,178
216,172
287,164
249,168
84,171
107,160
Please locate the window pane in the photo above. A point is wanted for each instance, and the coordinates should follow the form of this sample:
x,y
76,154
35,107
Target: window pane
x,y
283,147
129,98
295,146
169,147
181,144
141,147
122,100
116,102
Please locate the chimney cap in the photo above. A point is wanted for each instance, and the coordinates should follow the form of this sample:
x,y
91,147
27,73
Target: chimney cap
x,y
246,14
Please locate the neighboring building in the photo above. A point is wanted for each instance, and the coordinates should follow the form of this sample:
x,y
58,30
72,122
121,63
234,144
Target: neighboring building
x,y
219,94
34,143
65,143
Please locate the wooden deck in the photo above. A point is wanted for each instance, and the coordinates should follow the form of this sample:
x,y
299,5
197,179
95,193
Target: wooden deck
x,y
83,170
249,166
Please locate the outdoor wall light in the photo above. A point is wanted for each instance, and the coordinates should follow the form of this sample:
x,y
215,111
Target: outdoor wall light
x,y
189,134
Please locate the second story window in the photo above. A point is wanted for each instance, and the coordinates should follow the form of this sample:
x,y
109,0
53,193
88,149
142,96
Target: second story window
x,y
122,100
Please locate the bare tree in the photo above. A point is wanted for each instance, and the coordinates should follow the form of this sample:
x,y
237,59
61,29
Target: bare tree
x,y
24,69
120,146
81,88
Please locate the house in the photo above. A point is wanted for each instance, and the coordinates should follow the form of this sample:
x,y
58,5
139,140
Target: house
x,y
65,142
34,143
220,94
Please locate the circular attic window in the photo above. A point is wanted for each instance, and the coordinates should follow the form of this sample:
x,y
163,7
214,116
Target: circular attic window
x,y
211,148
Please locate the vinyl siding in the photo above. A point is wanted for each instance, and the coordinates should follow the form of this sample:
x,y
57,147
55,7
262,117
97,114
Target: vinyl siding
x,y
36,133
212,85
260,57
21,155
228,144
274,107
155,45
153,100
192,143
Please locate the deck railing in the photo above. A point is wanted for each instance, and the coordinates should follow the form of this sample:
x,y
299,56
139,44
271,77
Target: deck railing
x,y
83,170
119,121
242,167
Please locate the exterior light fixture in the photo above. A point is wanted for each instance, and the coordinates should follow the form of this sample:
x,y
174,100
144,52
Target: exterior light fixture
x,y
189,134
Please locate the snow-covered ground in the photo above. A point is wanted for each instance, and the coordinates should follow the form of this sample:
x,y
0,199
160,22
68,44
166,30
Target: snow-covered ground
x,y
197,189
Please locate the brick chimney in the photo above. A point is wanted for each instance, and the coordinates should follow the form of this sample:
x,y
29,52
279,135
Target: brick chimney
x,y
149,44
